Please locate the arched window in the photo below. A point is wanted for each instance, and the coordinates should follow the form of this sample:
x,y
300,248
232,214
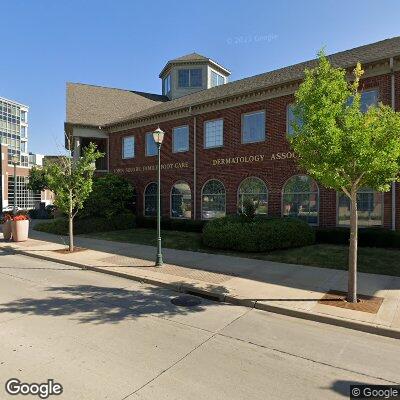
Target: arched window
x,y
150,200
181,201
369,207
300,199
213,199
254,190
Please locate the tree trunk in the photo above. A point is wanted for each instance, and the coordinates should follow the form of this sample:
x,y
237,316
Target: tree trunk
x,y
71,224
352,283
71,233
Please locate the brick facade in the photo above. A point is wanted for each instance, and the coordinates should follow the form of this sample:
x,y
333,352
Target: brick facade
x,y
274,172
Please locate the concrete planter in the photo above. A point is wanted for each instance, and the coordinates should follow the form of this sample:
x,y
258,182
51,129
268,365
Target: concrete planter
x,y
7,230
20,230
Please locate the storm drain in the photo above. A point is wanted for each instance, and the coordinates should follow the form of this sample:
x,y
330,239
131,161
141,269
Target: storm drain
x,y
186,300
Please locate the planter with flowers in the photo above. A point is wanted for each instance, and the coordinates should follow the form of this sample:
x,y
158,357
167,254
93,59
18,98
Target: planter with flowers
x,y
6,221
20,228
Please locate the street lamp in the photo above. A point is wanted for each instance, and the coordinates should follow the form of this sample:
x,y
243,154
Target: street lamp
x,y
158,136
15,161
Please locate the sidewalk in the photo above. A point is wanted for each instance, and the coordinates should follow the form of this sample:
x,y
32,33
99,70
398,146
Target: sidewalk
x,y
281,288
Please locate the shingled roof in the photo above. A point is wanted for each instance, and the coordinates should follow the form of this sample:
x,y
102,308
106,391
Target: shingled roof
x,y
90,105
192,58
365,54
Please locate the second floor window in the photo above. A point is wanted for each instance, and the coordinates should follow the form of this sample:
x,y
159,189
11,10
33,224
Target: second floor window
x,y
253,127
151,147
214,133
190,77
290,119
128,147
368,98
180,139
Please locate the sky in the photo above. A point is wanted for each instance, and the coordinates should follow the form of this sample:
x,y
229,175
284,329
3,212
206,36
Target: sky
x,y
126,43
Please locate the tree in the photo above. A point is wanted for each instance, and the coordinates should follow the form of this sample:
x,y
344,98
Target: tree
x,y
341,146
111,195
71,181
37,179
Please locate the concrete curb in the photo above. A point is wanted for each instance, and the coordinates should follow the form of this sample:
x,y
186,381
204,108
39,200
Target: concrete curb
x,y
295,313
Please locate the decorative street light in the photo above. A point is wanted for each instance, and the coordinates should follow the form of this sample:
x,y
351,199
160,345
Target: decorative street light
x,y
158,136
15,161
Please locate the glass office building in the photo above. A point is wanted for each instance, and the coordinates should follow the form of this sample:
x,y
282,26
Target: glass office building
x,y
14,130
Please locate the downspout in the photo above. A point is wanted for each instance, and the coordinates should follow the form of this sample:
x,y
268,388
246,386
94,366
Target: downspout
x,y
194,165
393,103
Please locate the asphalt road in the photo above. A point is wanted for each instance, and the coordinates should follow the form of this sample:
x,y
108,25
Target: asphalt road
x,y
103,337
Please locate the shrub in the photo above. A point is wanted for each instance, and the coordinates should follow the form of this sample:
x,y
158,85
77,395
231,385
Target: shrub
x,y
173,224
367,237
249,209
111,195
261,234
88,225
42,213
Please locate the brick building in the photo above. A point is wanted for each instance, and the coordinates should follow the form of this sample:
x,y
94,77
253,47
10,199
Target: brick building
x,y
227,141
14,151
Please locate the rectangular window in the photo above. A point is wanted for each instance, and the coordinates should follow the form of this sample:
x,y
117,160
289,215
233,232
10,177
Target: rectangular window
x,y
291,118
151,147
183,78
214,133
23,116
253,127
190,77
24,147
128,147
368,99
167,85
195,77
216,79
23,132
180,139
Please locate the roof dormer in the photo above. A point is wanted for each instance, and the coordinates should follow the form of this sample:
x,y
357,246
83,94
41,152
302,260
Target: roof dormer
x,y
191,73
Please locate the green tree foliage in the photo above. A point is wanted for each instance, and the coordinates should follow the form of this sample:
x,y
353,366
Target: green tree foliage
x,y
71,181
111,195
37,179
342,147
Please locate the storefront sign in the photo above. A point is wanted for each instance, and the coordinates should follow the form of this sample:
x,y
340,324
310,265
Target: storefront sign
x,y
283,156
145,168
238,160
253,158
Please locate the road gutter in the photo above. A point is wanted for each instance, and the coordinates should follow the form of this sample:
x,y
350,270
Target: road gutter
x,y
220,297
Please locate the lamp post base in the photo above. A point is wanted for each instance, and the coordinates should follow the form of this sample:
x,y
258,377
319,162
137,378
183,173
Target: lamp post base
x,y
159,260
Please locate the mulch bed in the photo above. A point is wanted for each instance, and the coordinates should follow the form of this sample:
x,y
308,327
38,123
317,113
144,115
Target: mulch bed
x,y
66,251
369,304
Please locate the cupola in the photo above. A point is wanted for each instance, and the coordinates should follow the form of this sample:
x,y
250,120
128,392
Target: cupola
x,y
191,73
